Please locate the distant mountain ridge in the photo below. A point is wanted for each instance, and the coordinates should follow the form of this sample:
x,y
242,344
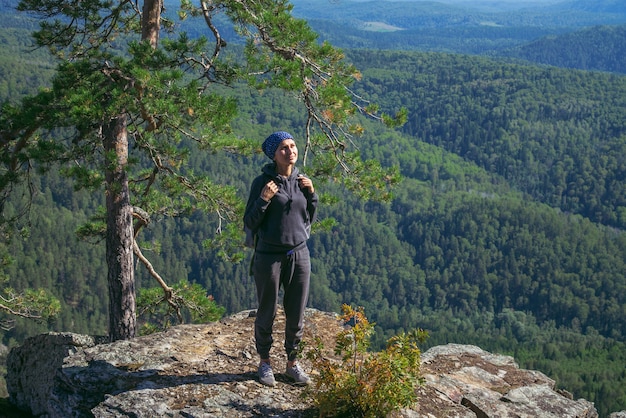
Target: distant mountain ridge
x,y
602,6
573,34
600,48
419,14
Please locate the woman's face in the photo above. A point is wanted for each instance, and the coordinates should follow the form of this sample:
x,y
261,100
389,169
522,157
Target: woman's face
x,y
286,153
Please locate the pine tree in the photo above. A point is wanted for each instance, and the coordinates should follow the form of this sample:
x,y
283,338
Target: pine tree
x,y
134,94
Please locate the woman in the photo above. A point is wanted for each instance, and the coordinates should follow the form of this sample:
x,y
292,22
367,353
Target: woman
x,y
280,210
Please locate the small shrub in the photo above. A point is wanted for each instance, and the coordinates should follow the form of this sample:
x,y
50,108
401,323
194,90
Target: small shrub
x,y
364,384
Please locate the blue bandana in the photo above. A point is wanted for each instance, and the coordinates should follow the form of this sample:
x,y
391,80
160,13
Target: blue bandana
x,y
271,143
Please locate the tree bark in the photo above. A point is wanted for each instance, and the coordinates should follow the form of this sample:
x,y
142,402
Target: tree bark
x,y
151,21
119,235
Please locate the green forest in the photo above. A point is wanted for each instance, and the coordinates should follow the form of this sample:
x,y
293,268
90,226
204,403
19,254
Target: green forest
x,y
599,48
574,34
506,232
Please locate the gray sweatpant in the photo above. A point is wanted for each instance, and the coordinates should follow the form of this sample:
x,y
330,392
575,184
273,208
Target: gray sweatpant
x,y
292,272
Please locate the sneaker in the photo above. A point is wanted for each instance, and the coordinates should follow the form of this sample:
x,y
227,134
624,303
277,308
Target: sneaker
x,y
298,375
266,375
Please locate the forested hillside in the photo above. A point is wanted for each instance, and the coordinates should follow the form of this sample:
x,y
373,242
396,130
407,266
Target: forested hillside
x,y
507,231
556,135
600,48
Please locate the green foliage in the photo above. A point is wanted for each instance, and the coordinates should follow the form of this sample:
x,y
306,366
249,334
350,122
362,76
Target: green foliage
x,y
364,384
35,304
158,311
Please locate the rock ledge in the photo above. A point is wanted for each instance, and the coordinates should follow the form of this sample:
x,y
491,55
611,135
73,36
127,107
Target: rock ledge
x,y
210,371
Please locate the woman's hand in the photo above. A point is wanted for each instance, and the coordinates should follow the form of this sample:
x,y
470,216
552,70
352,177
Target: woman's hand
x,y
269,191
306,183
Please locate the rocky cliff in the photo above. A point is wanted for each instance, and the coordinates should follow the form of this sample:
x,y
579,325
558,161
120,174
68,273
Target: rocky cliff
x,y
210,371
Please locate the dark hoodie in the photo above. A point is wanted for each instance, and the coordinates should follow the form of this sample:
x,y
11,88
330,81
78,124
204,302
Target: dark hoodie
x,y
285,221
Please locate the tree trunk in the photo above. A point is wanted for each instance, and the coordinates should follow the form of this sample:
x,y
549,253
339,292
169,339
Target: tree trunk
x,y
119,235
151,21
